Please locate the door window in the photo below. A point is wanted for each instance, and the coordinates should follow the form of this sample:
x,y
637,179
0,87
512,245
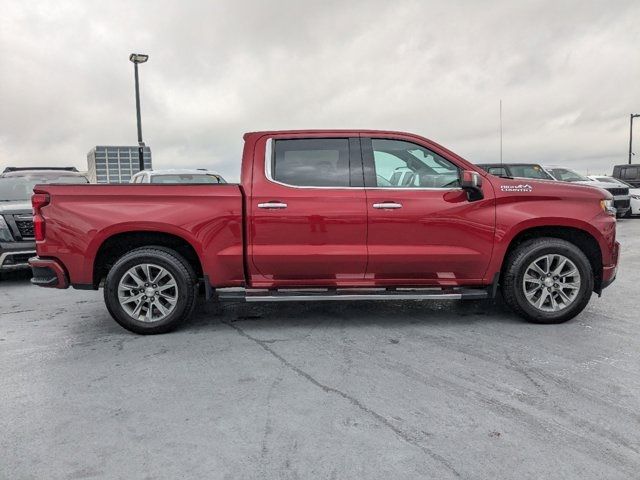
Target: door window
x,y
321,162
400,164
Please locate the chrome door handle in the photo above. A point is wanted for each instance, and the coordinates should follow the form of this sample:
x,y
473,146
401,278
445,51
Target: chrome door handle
x,y
389,205
272,205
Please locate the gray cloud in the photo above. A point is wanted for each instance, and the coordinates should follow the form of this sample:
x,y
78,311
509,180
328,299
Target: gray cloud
x,y
567,72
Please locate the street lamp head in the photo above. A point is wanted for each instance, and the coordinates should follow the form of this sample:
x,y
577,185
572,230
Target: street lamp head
x,y
138,57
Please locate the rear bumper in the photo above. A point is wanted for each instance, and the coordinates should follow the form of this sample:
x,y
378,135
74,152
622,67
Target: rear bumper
x,y
15,255
48,272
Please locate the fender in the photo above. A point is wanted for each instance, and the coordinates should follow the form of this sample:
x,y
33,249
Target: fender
x,y
504,237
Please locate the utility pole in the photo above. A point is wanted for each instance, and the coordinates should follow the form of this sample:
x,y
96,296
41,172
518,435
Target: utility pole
x,y
631,117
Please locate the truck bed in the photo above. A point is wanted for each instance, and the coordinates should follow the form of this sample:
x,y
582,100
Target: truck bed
x,y
83,219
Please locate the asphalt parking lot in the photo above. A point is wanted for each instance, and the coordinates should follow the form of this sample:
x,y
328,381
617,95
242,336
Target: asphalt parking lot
x,y
326,390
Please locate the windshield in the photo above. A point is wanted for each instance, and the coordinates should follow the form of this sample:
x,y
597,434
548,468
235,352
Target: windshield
x,y
15,189
624,183
186,178
20,188
567,175
611,180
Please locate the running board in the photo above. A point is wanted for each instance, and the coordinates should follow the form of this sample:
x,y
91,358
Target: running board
x,y
329,294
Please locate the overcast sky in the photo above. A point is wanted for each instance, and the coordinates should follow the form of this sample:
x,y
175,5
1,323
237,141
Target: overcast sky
x,y
568,73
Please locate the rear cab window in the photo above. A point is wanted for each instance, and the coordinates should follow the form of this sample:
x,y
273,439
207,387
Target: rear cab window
x,y
317,162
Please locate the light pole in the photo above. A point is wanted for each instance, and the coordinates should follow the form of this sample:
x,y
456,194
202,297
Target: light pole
x,y
631,117
137,58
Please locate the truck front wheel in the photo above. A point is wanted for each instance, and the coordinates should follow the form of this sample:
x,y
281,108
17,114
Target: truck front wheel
x,y
547,280
150,290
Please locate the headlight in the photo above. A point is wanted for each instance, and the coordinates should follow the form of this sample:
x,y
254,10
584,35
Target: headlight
x,y
607,207
635,197
5,233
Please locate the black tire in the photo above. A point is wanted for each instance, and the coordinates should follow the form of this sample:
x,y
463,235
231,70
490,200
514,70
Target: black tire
x,y
516,265
185,279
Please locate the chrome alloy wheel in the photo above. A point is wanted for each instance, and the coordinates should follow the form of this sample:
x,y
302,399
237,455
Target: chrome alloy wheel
x,y
551,282
148,293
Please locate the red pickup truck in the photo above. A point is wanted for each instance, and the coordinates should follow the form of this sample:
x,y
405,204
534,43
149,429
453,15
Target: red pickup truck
x,y
329,215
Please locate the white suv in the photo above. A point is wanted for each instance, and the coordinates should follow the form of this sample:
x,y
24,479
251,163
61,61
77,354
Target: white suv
x,y
634,192
197,175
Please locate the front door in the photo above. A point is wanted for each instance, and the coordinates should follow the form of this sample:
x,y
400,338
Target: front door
x,y
422,228
308,213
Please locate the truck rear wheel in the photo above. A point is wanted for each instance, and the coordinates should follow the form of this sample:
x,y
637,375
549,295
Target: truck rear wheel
x,y
150,290
547,280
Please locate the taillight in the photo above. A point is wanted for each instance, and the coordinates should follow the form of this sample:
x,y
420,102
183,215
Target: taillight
x,y
39,200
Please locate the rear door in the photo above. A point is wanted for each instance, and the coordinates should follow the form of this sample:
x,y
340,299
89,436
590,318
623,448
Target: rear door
x,y
308,213
422,228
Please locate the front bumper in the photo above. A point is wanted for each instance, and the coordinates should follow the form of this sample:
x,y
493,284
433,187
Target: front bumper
x,y
15,255
622,204
48,272
609,272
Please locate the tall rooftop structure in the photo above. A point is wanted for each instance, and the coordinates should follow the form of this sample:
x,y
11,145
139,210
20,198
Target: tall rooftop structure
x,y
115,164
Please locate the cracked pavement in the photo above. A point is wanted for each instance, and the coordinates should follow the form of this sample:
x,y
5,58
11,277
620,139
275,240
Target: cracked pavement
x,y
327,390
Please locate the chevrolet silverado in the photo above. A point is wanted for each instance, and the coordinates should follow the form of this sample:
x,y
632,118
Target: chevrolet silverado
x,y
329,215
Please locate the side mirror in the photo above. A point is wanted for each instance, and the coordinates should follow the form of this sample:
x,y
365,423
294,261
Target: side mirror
x,y
471,182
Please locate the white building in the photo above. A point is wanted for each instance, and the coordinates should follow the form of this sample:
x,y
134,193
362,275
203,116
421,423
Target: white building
x,y
115,164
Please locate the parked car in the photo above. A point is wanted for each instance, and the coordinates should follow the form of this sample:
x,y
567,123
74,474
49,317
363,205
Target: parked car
x,y
516,170
17,242
634,193
177,176
628,173
621,198
318,216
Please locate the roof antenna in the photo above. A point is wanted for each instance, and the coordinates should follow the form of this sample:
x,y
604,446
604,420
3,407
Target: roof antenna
x,y
500,131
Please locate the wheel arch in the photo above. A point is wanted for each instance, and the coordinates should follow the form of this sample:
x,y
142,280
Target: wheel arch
x,y
582,239
120,243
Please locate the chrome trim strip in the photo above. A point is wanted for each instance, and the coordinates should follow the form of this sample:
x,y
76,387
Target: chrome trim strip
x,y
268,153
